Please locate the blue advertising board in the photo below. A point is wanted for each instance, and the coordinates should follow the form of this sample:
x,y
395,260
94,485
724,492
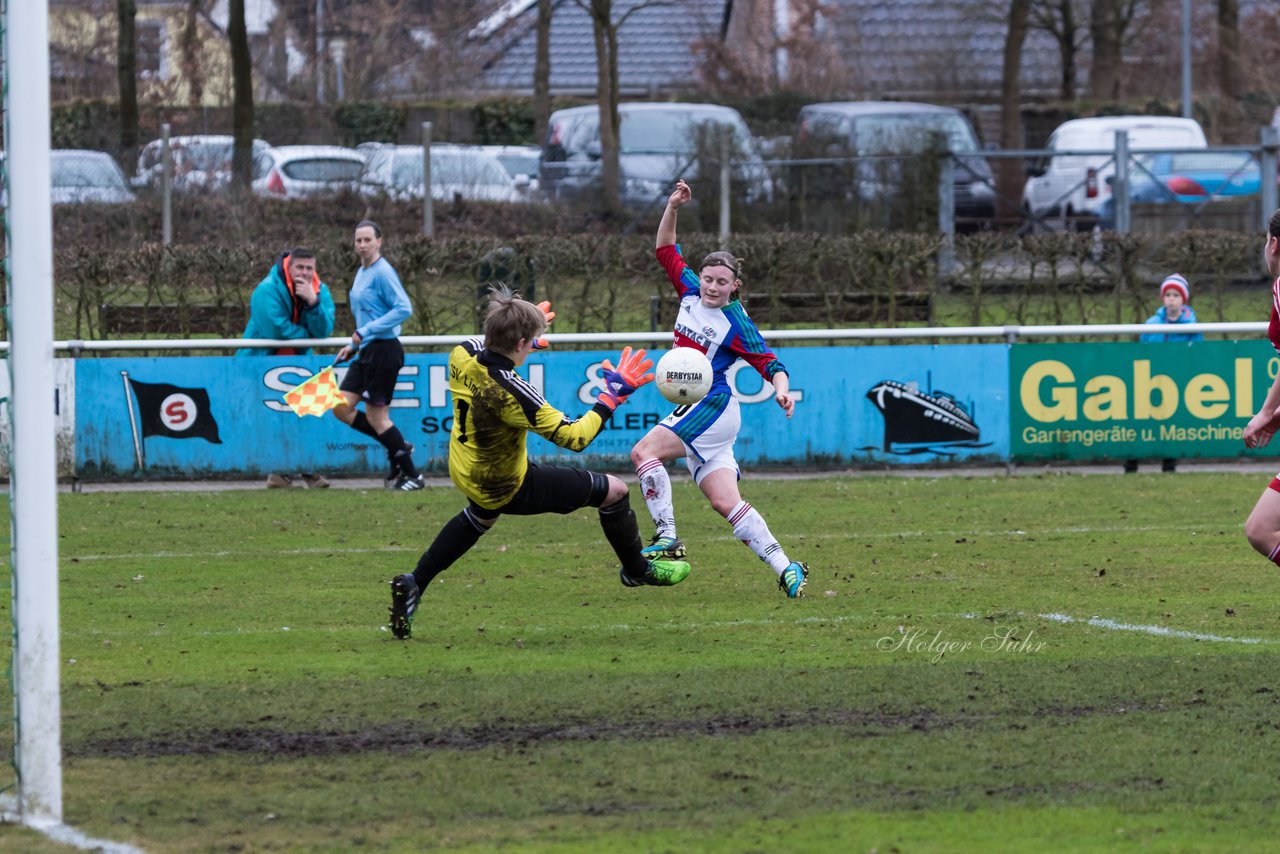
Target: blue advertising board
x,y
224,416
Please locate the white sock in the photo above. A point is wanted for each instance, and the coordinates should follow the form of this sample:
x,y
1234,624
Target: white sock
x,y
749,526
655,486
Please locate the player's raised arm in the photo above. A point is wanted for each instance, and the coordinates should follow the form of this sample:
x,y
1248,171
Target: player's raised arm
x,y
667,226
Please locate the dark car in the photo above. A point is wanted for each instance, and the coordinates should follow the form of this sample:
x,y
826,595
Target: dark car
x,y
869,151
658,143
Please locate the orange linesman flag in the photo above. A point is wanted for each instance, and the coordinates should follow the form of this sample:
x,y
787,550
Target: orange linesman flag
x,y
316,396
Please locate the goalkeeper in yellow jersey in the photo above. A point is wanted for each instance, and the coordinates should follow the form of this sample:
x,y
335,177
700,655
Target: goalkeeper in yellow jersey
x,y
494,409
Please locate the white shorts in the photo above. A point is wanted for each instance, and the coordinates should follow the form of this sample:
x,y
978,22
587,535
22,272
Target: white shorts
x,y
708,429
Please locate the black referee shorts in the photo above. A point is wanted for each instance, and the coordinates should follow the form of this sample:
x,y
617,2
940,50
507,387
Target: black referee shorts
x,y
373,374
551,489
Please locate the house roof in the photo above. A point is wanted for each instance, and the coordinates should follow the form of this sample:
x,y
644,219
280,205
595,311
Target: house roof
x,y
894,48
933,50
654,45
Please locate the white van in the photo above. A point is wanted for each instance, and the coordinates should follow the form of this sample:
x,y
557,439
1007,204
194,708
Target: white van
x,y
1075,186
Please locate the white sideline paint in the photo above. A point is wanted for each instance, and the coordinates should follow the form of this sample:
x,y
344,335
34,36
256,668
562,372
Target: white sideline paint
x,y
881,535
62,833
1159,631
1095,622
529,629
835,619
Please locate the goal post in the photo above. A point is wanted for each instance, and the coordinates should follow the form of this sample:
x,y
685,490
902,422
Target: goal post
x,y
33,488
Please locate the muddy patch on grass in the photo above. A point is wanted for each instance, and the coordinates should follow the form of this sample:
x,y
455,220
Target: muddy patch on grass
x,y
402,737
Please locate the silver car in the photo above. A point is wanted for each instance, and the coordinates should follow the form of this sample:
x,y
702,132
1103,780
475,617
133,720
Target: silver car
x,y
79,176
201,162
300,171
520,161
457,171
658,143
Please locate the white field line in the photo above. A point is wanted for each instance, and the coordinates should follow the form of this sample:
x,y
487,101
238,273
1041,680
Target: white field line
x,y
670,625
164,555
1158,631
881,535
64,834
502,627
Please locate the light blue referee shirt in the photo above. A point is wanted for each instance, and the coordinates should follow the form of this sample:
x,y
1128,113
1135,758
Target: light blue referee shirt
x,y
378,302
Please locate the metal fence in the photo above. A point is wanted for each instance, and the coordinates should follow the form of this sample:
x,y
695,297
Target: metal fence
x,y
937,191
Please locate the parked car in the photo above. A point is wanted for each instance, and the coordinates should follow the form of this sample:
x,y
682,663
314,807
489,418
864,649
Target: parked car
x,y
457,171
80,176
658,143
200,162
365,149
520,161
886,138
300,171
1074,186
1189,178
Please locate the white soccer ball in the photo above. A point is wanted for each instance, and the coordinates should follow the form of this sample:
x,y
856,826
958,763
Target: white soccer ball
x,y
683,375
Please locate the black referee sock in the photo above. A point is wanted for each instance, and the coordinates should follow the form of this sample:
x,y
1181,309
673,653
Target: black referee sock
x,y
455,539
397,450
622,532
362,424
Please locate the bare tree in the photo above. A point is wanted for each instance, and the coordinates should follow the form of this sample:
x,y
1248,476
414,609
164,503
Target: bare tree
x,y
1230,70
408,45
606,40
189,53
1104,75
542,73
127,74
1109,22
741,59
1064,21
241,98
1011,174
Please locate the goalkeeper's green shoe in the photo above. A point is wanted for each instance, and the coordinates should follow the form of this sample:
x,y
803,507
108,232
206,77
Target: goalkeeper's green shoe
x,y
661,573
663,548
405,597
794,579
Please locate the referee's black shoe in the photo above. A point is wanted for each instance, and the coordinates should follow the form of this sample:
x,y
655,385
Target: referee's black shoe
x,y
410,484
393,473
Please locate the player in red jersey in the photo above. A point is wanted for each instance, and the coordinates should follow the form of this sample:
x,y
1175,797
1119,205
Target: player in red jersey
x,y
711,319
1263,525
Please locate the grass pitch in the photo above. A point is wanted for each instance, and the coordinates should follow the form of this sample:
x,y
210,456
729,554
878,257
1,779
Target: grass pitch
x,y
1065,663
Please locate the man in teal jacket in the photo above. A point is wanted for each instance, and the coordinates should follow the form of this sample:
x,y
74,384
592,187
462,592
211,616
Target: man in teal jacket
x,y
290,303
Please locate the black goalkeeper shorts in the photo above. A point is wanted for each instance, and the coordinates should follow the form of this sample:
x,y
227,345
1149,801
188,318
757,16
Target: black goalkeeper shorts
x,y
374,373
551,489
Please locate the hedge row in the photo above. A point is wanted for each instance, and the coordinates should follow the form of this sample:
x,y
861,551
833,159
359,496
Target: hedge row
x,y
96,124
609,282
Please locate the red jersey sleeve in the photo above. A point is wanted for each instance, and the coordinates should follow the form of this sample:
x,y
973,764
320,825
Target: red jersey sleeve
x,y
681,274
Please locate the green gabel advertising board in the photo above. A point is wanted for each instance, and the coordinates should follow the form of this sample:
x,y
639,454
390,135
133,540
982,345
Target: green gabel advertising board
x,y
1127,401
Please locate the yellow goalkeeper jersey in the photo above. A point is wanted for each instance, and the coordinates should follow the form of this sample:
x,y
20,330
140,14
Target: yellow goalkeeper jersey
x,y
493,410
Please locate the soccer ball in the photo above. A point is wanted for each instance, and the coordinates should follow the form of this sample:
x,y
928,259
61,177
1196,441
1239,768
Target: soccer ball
x,y
683,375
